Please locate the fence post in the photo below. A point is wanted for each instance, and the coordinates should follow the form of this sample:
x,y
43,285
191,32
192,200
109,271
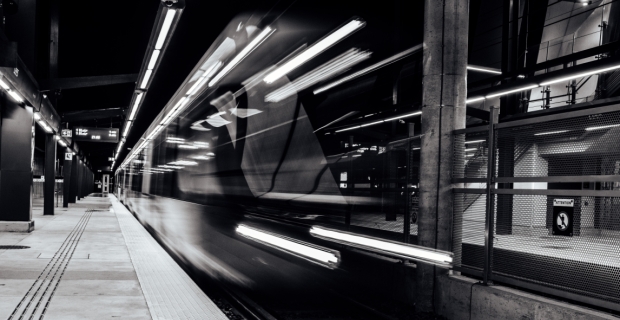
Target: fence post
x,y
490,205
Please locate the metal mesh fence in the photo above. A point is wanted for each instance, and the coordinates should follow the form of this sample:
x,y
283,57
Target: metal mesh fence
x,y
557,203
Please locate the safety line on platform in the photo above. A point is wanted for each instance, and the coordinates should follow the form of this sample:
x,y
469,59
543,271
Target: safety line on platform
x,y
59,261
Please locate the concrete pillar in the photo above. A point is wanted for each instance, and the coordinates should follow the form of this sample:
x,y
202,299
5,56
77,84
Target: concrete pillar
x,y
16,151
73,188
444,95
66,174
50,174
80,176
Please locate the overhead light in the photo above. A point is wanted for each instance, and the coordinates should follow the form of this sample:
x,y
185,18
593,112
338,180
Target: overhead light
x,y
580,75
145,80
351,128
127,126
483,69
153,61
314,50
335,66
241,55
603,127
471,149
165,28
380,64
512,91
372,123
550,132
62,143
474,141
37,116
15,96
405,116
439,258
473,100
136,104
295,247
414,149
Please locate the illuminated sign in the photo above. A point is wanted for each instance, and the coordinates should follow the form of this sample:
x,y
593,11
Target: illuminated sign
x,y
96,134
66,133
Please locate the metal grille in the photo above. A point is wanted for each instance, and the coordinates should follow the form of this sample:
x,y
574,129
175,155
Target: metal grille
x,y
586,263
550,173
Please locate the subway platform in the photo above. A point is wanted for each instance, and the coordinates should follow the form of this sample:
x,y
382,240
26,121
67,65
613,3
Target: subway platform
x,y
94,260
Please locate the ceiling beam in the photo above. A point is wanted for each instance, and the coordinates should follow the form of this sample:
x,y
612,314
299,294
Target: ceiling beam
x,y
86,115
84,82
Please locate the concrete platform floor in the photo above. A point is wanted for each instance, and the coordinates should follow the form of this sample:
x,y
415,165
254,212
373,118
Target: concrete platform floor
x,y
94,260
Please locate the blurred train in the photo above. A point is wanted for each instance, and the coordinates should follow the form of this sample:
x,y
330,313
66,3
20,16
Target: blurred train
x,y
293,138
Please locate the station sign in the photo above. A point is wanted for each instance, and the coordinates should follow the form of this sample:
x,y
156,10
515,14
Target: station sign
x,y
68,156
96,134
67,133
563,210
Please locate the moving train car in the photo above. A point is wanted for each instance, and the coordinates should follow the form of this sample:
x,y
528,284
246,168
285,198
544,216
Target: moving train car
x,y
291,132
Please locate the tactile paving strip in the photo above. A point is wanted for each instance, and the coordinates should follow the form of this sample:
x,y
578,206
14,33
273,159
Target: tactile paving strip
x,y
169,292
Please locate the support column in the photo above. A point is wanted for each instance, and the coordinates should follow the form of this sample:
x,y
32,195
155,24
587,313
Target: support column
x,y
16,150
444,95
66,174
80,175
50,174
73,189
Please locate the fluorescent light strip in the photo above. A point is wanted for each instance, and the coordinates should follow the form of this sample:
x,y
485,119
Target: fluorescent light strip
x,y
145,80
383,246
325,71
165,28
471,149
127,126
136,105
482,69
512,91
351,128
473,100
602,127
550,132
381,121
474,141
405,116
372,123
314,50
371,68
249,48
580,75
292,246
153,61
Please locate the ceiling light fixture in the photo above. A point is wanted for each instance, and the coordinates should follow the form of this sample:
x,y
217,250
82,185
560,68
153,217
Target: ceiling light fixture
x,y
483,69
580,75
550,132
165,28
315,50
603,127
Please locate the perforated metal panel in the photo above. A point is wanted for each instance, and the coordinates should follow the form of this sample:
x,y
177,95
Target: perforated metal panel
x,y
574,159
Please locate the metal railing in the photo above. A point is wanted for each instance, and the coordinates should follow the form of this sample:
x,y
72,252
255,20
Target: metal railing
x,y
537,204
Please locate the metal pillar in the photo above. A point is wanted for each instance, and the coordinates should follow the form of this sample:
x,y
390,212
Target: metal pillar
x,y
444,93
50,174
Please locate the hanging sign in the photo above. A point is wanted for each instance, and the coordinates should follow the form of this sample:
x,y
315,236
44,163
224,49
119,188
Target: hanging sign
x,y
563,210
67,133
95,134
68,156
